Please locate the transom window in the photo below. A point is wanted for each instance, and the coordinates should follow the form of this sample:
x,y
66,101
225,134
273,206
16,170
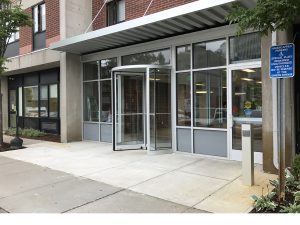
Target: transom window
x,y
14,37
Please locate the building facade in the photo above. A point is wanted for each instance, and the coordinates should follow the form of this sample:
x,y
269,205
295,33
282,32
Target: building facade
x,y
161,76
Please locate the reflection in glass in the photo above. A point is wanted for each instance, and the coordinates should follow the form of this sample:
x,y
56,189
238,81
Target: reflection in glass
x,y
90,71
12,108
209,54
53,100
183,57
20,100
91,101
183,87
44,101
245,47
106,66
158,57
31,101
105,99
210,99
247,105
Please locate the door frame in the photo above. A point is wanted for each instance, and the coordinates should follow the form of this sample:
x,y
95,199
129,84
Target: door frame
x,y
145,71
232,153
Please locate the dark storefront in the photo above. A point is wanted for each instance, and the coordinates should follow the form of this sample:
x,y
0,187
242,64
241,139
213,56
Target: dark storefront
x,y
34,99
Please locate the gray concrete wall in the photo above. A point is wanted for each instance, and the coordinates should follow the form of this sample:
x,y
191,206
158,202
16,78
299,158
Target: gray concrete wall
x,y
76,19
4,91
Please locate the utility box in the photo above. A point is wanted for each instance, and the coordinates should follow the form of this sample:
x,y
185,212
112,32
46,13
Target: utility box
x,y
247,155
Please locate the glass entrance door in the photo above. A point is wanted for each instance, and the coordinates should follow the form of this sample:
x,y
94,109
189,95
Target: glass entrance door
x,y
246,108
142,108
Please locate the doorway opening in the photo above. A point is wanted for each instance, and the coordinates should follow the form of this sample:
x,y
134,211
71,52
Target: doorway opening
x,y
142,108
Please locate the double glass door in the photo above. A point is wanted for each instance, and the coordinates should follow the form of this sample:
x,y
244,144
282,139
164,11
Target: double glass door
x,y
142,108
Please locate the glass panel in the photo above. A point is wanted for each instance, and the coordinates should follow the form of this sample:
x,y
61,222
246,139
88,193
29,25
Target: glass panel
x,y
245,47
91,101
90,71
111,13
161,132
105,99
20,100
44,101
121,11
183,57
43,16
210,99
12,108
247,105
209,54
53,100
159,57
130,110
183,102
36,19
106,66
31,101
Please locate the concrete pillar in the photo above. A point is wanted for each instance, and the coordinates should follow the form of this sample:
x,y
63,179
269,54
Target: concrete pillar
x,y
282,37
70,68
4,90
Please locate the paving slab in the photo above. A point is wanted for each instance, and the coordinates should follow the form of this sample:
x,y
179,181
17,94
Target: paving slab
x,y
16,166
30,179
180,187
58,197
235,197
131,202
127,176
5,160
221,169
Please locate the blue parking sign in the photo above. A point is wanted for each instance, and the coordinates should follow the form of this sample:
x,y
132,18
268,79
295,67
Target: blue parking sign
x,y
282,61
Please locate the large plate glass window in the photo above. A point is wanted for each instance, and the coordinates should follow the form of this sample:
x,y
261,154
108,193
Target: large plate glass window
x,y
115,12
31,101
183,87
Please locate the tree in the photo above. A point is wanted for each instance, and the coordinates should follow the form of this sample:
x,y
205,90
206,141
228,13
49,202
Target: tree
x,y
12,17
267,16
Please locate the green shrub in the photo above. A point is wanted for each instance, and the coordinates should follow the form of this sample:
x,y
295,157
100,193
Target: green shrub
x,y
296,167
25,132
265,203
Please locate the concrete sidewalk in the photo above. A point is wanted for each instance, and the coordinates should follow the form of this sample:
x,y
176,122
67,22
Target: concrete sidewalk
x,y
184,179
28,188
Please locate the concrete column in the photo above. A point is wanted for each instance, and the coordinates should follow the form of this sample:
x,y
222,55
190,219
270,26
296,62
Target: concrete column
x,y
282,37
75,18
4,90
70,98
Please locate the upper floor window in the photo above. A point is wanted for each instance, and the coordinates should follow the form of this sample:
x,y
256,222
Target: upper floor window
x,y
115,12
14,37
39,17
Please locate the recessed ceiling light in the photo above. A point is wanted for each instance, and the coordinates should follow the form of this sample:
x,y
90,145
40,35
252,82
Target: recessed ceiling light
x,y
240,93
249,71
247,79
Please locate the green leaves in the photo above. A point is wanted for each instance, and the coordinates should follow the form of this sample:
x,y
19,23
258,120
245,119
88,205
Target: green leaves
x,y
267,15
12,17
265,203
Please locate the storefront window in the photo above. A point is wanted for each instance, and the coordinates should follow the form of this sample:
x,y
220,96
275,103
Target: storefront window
x,y
158,57
44,101
53,100
183,57
91,101
183,99
209,54
210,99
90,71
31,101
106,66
245,47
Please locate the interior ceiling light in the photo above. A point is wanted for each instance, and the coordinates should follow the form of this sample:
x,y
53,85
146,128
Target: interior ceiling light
x,y
240,93
200,84
249,71
247,79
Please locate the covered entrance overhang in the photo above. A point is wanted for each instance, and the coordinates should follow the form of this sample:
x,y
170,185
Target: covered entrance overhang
x,y
195,16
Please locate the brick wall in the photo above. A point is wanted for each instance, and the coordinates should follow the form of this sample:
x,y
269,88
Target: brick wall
x,y
135,9
52,22
26,37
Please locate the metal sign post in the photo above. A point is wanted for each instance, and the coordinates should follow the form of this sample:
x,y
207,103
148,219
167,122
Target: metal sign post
x,y
282,65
